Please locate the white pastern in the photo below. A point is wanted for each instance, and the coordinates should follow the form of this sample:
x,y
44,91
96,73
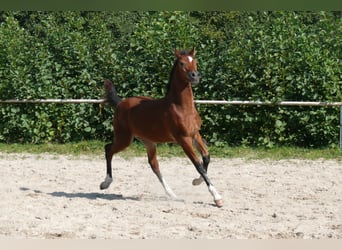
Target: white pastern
x,y
214,193
168,190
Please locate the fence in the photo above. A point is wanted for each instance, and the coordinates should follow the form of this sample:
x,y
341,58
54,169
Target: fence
x,y
210,102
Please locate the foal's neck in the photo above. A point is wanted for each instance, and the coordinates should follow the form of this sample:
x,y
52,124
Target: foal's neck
x,y
182,97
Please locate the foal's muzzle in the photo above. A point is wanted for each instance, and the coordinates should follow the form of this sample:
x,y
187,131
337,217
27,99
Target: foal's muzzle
x,y
194,77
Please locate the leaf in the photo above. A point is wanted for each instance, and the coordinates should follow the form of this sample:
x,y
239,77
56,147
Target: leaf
x,y
87,129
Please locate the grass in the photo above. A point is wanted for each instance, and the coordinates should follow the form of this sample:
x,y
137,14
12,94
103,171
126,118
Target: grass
x,y
167,150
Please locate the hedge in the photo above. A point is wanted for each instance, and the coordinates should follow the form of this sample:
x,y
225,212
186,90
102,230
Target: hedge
x,y
266,56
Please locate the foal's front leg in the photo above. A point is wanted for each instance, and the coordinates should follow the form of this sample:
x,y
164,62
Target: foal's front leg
x,y
186,143
202,149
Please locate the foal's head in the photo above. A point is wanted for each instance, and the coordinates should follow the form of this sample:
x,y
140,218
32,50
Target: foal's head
x,y
187,66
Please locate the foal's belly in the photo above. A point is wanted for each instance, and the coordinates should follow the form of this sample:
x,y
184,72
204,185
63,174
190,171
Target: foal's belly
x,y
153,129
148,120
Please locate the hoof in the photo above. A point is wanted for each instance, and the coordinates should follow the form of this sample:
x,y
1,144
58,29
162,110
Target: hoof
x,y
219,203
197,181
104,185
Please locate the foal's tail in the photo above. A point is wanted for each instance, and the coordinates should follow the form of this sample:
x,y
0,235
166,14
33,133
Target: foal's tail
x,y
111,95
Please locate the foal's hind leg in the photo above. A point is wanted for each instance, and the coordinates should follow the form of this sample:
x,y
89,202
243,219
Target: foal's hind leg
x,y
186,143
202,149
121,142
152,160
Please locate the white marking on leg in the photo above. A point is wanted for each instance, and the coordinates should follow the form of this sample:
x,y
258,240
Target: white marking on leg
x,y
214,193
168,190
108,180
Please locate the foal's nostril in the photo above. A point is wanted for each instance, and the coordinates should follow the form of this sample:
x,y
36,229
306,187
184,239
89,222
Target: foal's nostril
x,y
194,74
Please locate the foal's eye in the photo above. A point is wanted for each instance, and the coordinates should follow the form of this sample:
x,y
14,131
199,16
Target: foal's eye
x,y
181,64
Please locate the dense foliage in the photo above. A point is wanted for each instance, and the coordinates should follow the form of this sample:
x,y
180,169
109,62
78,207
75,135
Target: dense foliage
x,y
267,56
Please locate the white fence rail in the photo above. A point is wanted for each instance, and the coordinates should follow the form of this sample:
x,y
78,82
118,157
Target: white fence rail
x,y
23,101
257,103
282,103
210,102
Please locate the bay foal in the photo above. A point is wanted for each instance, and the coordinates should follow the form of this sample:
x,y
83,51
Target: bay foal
x,y
173,118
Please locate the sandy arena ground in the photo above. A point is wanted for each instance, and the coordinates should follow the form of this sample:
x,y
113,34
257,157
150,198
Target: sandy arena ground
x,y
53,196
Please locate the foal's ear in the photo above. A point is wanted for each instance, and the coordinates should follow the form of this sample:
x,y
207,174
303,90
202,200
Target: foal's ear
x,y
192,52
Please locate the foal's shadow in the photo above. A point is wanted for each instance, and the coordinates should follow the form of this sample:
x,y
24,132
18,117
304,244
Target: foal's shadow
x,y
96,195
93,196
90,196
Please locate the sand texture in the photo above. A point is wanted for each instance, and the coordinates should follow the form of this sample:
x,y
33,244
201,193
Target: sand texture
x,y
55,196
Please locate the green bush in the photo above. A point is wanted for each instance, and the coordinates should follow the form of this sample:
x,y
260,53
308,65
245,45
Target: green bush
x,y
272,57
266,56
